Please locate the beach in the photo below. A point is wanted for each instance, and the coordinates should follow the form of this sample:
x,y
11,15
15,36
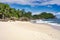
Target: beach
x,y
19,30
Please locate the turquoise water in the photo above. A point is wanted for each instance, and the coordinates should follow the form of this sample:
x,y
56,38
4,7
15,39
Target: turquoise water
x,y
53,20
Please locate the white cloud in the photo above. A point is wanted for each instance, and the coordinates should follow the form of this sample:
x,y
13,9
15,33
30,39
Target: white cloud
x,y
30,2
16,1
36,13
51,2
58,15
23,2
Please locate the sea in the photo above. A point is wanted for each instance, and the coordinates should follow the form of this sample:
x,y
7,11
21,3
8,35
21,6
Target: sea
x,y
55,23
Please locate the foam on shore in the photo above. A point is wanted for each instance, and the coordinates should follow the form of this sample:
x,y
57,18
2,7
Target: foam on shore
x,y
46,22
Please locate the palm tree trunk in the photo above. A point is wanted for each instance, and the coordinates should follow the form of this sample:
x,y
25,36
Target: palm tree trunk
x,y
3,16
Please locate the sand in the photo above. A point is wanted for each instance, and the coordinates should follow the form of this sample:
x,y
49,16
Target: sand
x,y
27,31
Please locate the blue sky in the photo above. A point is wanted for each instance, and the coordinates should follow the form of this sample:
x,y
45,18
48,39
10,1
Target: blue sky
x,y
36,6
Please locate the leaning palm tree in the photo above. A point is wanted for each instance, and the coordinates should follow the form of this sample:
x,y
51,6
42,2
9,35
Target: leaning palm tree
x,y
3,16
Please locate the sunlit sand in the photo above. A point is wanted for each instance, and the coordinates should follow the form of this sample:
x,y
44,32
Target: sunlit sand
x,y
27,31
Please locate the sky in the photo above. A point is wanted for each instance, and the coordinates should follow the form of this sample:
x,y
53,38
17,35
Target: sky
x,y
36,6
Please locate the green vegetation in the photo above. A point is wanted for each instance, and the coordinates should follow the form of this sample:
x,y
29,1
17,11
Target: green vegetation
x,y
7,12
44,15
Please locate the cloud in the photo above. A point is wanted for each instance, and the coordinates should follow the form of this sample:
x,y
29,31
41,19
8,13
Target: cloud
x,y
15,1
32,2
58,15
36,13
51,2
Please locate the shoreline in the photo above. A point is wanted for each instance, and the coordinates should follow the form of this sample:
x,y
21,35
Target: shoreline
x,y
53,25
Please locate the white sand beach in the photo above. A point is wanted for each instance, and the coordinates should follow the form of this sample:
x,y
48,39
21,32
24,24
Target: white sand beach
x,y
27,31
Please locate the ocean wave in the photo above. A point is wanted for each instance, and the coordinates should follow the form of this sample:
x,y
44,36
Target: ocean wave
x,y
54,24
46,22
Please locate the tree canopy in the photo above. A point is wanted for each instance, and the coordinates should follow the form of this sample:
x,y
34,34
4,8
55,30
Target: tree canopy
x,y
44,15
